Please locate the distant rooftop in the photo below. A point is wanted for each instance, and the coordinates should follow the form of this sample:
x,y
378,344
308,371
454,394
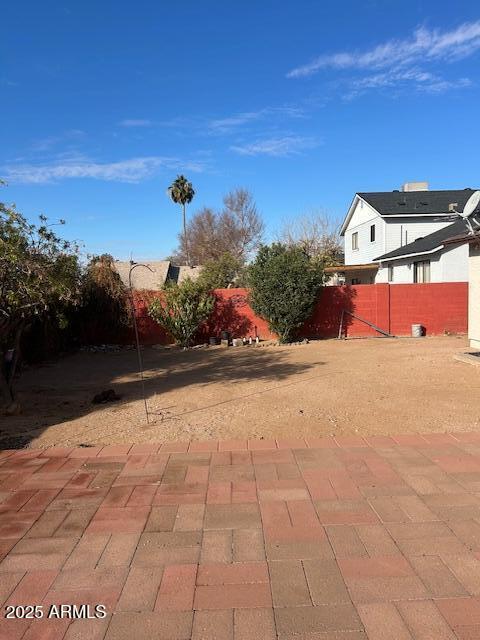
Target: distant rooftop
x,y
155,277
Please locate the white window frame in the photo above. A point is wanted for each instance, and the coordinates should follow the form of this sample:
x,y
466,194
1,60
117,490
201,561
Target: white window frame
x,y
355,241
421,272
373,227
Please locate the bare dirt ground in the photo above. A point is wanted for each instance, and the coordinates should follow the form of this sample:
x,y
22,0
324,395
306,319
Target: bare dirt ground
x,y
327,387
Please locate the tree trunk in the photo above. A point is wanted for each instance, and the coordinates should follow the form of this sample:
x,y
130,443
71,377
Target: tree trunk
x,y
16,355
5,391
185,238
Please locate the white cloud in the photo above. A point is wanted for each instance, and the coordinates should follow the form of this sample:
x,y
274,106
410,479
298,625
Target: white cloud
x,y
131,170
225,125
424,81
44,144
135,123
425,45
277,147
396,62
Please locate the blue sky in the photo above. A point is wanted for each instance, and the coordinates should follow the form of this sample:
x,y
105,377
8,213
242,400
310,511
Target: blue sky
x,y
304,103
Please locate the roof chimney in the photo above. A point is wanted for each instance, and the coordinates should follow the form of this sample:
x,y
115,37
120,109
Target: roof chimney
x,y
415,186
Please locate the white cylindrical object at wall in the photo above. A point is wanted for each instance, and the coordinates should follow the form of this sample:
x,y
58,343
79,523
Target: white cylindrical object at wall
x,y
417,330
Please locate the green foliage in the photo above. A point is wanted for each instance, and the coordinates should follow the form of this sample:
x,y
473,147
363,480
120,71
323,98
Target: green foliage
x,y
284,286
221,273
182,309
39,275
181,191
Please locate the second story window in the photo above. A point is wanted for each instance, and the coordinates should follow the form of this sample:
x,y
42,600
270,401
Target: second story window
x,y
355,240
372,233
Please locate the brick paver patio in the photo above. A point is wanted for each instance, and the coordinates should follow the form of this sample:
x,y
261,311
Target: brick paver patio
x,y
330,539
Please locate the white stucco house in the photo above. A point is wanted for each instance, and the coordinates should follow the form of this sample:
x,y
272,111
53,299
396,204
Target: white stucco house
x,y
401,237
474,294
472,244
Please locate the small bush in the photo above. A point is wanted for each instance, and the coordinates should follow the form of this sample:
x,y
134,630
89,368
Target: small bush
x,y
182,309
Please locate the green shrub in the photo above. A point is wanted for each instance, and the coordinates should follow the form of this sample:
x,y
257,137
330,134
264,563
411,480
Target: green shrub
x,y
284,285
182,309
221,273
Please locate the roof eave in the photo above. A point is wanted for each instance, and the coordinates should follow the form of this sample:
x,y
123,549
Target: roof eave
x,y
350,211
339,268
465,238
387,258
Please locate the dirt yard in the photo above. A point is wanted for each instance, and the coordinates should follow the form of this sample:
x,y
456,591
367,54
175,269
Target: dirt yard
x,y
327,387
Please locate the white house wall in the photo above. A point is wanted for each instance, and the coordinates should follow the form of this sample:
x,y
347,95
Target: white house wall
x,y
402,272
402,231
362,219
454,264
474,298
445,266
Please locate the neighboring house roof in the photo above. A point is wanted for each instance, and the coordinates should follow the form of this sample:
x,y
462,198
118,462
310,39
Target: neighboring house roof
x,y
411,203
188,272
428,244
155,277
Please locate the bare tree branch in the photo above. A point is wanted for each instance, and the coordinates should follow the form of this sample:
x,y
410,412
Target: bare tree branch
x,y
236,230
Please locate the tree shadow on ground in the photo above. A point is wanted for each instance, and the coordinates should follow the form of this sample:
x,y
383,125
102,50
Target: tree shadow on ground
x,y
63,390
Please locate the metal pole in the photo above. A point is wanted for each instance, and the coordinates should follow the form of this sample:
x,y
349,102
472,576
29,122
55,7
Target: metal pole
x,y
341,326
370,324
134,265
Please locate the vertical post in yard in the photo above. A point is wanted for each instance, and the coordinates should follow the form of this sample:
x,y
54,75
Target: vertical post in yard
x,y
341,325
134,265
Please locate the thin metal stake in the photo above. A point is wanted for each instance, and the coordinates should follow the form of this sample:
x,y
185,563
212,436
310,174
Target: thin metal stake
x,y
341,325
134,265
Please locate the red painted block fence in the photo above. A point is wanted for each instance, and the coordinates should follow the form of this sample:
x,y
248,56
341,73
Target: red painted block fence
x,y
440,307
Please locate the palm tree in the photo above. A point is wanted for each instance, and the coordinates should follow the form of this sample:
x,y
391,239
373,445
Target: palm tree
x,y
181,192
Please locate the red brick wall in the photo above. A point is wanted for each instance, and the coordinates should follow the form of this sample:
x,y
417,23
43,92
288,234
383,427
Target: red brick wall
x,y
150,332
439,307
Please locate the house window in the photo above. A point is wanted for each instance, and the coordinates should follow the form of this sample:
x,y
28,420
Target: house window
x,y
372,233
355,240
390,272
421,271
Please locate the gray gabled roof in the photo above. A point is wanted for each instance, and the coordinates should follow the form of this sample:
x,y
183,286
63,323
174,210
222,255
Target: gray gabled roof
x,y
155,277
399,203
428,244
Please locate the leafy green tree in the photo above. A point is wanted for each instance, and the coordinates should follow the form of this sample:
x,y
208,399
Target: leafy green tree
x,y
284,284
39,277
222,273
182,309
181,192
